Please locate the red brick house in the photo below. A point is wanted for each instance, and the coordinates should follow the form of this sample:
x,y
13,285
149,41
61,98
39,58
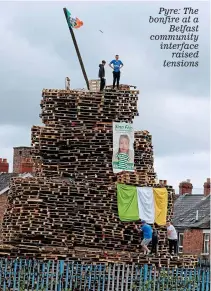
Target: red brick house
x,y
4,188
192,220
22,166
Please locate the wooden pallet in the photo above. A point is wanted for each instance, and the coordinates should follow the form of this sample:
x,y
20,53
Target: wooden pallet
x,y
69,209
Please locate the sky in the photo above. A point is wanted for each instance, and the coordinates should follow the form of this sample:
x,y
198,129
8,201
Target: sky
x,y
37,52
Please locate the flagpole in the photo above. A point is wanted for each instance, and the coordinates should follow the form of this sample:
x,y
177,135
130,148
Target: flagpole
x,y
77,49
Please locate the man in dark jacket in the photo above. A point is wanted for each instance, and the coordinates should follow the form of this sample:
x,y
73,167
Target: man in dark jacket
x,y
101,75
155,238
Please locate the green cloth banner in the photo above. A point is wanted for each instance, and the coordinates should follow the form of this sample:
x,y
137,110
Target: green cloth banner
x,y
127,202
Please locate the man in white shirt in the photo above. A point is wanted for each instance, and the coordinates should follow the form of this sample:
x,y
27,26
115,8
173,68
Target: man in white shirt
x,y
172,237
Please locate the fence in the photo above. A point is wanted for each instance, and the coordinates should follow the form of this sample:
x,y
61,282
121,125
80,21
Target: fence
x,y
36,275
204,263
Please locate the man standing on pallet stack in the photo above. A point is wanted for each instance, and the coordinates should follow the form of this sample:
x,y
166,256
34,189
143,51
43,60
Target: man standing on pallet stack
x,y
101,75
172,237
117,65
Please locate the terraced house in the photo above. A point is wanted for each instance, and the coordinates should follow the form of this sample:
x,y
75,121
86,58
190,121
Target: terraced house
x,y
22,166
192,220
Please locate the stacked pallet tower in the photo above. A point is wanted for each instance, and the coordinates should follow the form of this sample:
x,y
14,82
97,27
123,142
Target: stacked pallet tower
x,y
69,209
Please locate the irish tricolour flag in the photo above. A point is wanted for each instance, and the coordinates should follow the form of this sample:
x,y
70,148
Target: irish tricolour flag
x,y
146,203
73,22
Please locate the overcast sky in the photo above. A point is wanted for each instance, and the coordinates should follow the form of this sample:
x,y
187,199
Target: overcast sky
x,y
36,52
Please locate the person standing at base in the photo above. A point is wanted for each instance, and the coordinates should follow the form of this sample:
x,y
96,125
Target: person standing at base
x,y
155,238
147,235
101,75
117,65
172,237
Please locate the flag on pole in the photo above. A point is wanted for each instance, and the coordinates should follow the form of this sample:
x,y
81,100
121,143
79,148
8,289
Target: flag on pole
x,y
73,22
146,203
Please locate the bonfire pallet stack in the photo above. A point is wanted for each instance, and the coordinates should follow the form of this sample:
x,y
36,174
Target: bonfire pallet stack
x,y
70,208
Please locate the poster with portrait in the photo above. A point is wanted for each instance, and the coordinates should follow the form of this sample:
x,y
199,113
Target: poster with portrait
x,y
123,147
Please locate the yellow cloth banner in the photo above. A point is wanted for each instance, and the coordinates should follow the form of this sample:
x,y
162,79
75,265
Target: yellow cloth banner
x,y
160,203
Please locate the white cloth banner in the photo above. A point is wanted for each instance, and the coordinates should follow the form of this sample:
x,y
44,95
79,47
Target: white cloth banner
x,y
146,205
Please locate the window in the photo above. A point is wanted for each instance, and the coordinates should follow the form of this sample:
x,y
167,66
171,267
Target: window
x,y
206,246
180,243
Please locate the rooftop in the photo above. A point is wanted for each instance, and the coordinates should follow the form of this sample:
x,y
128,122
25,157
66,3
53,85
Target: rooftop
x,y
5,179
185,202
192,211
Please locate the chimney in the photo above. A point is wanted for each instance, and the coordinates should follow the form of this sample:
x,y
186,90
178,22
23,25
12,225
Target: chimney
x,y
20,163
26,166
197,215
185,187
207,187
4,166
